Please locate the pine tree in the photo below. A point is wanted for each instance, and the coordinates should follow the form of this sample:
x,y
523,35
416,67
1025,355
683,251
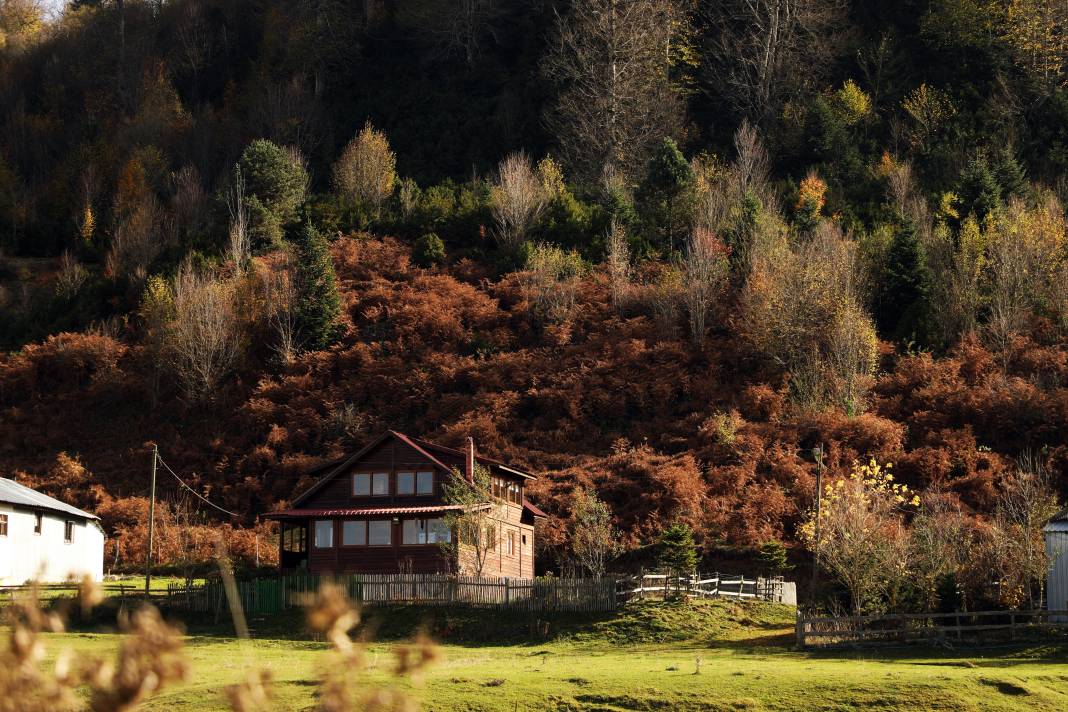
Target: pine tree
x,y
772,557
979,191
662,194
1009,174
677,550
905,282
318,304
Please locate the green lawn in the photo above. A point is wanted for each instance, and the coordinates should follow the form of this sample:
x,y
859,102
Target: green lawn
x,y
644,659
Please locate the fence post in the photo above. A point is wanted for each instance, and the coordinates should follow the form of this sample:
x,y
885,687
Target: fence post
x,y
799,629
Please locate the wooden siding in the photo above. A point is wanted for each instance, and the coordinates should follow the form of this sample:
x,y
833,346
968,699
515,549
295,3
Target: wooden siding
x,y
393,455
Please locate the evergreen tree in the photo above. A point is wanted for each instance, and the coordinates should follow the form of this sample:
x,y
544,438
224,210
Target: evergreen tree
x,y
979,191
662,194
1009,174
429,250
275,187
772,558
904,285
318,304
677,552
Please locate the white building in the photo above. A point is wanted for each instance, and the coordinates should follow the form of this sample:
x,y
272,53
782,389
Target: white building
x,y
46,540
1056,532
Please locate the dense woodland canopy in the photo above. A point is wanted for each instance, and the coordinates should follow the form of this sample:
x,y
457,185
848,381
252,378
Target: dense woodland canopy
x,y
660,249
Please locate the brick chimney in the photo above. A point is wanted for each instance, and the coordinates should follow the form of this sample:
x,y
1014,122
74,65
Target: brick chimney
x,y
469,465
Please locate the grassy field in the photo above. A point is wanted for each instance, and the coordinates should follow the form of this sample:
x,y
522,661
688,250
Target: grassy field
x,y
644,659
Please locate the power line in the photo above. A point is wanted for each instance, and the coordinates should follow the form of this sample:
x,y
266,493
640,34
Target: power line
x,y
195,493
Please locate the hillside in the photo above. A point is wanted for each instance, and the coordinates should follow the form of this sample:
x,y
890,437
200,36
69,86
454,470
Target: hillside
x,y
257,233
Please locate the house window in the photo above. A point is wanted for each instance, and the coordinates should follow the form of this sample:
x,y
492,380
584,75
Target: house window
x,y
324,534
425,484
3,525
361,484
68,532
354,533
437,532
511,543
414,532
379,532
426,531
491,538
38,522
405,483
380,484
293,540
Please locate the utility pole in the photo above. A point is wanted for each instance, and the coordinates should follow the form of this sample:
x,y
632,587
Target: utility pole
x,y
151,521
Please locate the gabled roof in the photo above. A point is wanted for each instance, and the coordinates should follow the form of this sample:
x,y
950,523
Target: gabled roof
x,y
1058,522
12,492
423,447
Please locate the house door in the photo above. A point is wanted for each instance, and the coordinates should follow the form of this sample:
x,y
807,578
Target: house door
x,y
294,546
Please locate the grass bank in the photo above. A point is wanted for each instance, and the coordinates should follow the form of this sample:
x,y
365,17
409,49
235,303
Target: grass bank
x,y
651,656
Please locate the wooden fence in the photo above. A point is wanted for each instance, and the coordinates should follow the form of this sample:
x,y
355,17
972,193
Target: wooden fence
x,y
264,596
901,628
700,585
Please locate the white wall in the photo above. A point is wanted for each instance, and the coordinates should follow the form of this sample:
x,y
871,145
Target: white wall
x,y
1057,581
46,557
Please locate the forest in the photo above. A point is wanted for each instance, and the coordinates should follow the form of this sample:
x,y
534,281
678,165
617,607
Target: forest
x,y
681,254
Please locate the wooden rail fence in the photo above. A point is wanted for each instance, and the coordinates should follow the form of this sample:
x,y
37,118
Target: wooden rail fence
x,y
900,628
701,585
264,596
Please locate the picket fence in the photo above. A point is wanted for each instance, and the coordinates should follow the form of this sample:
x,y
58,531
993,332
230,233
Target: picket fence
x,y
265,596
700,585
928,628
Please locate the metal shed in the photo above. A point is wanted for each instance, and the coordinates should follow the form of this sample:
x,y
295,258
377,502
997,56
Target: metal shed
x,y
1056,533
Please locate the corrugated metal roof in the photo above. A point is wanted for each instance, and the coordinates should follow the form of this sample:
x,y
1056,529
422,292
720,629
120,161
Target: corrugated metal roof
x,y
1058,522
360,512
14,493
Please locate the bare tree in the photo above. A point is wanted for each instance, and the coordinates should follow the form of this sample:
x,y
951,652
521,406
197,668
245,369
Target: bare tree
x,y
610,60
759,50
1025,504
280,297
240,244
618,263
594,539
71,276
203,339
462,27
518,199
138,240
705,270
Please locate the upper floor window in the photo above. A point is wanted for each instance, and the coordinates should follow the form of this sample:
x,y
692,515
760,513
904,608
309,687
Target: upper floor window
x,y
507,490
380,484
361,484
68,532
424,483
324,534
405,483
38,522
3,525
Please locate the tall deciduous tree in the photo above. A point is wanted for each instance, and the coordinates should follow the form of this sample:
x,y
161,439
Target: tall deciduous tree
x,y
474,522
318,304
759,51
610,61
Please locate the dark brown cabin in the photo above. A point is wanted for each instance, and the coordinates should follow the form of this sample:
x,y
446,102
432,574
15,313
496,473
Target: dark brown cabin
x,y
382,510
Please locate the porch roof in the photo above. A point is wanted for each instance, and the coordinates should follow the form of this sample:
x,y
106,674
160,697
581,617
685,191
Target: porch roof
x,y
360,511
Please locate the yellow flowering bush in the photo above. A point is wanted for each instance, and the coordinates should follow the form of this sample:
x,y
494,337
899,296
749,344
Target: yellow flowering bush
x,y
859,534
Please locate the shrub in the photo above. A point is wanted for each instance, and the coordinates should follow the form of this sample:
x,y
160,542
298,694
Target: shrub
x,y
366,171
429,250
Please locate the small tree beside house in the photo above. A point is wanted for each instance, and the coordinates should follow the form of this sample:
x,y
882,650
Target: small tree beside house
x,y
594,539
475,523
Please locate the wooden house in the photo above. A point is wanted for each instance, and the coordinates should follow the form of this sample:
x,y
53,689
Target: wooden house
x,y
383,510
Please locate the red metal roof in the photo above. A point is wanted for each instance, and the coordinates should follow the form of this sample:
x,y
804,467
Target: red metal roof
x,y
359,512
533,508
